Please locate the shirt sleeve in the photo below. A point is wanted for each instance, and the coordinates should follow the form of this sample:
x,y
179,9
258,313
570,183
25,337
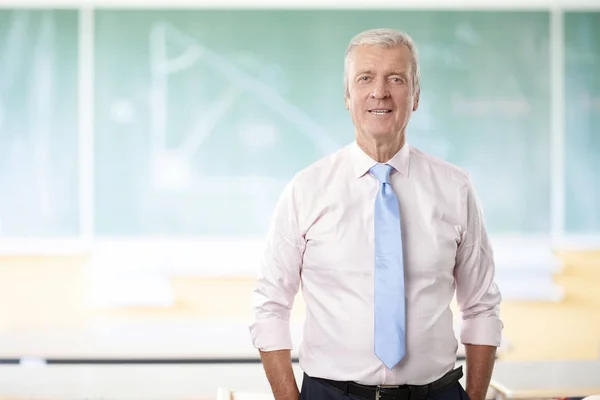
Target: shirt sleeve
x,y
477,294
279,277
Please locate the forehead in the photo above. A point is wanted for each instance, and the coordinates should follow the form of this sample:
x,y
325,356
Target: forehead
x,y
374,57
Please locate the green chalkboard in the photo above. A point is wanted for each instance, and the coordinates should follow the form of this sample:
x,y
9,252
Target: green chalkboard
x,y
39,123
203,115
582,106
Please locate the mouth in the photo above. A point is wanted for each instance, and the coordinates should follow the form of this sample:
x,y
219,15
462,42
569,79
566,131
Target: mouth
x,y
380,111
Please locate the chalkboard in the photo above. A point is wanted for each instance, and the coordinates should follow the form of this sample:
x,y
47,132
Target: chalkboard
x,y
38,123
582,107
203,115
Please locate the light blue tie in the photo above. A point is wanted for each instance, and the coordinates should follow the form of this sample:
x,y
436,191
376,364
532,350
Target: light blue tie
x,y
390,317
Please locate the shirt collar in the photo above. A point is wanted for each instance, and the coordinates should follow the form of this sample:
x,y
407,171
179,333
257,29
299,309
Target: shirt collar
x,y
362,162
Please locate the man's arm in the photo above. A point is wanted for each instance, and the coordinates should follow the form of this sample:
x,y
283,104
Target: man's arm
x,y
480,365
478,298
273,297
278,368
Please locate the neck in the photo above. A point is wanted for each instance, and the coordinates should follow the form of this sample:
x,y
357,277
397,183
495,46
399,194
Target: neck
x,y
380,151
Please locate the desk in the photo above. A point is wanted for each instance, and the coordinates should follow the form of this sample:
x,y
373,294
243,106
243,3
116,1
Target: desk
x,y
127,382
109,340
132,382
205,339
534,380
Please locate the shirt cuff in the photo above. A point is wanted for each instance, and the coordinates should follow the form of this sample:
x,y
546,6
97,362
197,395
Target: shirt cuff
x,y
271,334
482,331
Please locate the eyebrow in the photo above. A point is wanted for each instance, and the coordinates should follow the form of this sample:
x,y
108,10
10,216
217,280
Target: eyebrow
x,y
369,72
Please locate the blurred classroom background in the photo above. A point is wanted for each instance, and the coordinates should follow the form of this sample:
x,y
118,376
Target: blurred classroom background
x,y
143,145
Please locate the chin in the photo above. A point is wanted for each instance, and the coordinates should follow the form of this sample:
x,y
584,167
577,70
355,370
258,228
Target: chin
x,y
381,134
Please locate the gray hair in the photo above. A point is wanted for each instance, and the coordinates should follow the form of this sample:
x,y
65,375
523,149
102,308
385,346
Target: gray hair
x,y
385,38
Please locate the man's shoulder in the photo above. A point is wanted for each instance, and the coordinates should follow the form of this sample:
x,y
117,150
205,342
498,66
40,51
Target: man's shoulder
x,y
438,166
322,168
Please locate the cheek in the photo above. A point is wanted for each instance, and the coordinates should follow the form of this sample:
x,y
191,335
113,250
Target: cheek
x,y
406,103
354,105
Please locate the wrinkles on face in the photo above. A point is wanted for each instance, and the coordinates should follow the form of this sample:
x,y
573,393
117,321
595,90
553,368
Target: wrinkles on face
x,y
380,94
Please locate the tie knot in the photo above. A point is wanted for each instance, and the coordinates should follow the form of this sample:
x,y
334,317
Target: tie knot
x,y
382,172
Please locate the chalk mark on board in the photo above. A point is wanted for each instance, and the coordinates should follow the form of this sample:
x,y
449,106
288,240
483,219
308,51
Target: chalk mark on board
x,y
162,66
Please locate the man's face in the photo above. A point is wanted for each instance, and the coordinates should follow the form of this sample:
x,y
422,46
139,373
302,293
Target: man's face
x,y
380,94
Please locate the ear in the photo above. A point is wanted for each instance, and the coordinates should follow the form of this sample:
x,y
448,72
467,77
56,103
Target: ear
x,y
346,103
416,101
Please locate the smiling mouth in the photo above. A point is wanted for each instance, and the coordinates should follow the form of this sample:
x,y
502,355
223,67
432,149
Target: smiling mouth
x,y
382,111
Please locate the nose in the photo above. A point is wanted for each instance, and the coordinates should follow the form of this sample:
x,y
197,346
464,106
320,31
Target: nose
x,y
380,90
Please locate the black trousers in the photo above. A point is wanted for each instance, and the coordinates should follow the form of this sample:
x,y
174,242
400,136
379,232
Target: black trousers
x,y
313,389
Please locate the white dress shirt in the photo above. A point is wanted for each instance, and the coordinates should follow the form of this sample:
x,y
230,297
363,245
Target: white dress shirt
x,y
321,238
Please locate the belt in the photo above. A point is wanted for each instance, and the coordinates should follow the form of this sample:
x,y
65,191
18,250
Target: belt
x,y
398,392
